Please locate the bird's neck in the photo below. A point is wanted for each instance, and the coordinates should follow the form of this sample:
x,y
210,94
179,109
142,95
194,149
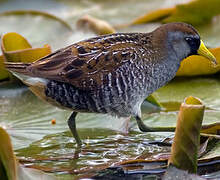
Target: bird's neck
x,y
161,73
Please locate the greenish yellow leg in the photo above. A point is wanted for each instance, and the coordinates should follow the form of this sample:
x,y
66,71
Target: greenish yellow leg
x,y
72,126
142,126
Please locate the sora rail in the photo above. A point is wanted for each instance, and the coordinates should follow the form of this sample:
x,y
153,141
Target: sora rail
x,y
111,74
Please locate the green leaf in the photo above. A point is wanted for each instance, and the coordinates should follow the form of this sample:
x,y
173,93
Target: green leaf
x,y
7,157
191,12
10,169
37,26
153,16
170,96
151,99
184,152
16,48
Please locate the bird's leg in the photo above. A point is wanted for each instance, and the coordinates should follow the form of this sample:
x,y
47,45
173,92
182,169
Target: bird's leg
x,y
124,128
72,126
142,126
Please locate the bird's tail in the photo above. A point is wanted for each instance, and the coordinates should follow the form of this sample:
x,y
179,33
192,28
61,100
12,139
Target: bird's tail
x,y
17,67
21,72
36,84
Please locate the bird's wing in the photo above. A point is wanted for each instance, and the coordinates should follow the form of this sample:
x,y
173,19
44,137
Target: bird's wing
x,y
85,63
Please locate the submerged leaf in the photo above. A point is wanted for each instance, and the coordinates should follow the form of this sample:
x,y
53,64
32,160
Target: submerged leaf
x,y
184,151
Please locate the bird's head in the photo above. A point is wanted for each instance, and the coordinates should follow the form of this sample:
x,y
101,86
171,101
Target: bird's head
x,y
184,40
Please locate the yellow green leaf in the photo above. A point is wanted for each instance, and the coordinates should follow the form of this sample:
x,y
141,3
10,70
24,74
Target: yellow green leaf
x,y
4,74
16,48
153,100
184,152
211,128
153,16
10,169
7,157
198,65
197,12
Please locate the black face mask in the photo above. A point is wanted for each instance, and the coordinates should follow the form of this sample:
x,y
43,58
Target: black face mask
x,y
194,44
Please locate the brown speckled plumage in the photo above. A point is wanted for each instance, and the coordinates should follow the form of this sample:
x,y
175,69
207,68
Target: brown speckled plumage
x,y
114,73
85,64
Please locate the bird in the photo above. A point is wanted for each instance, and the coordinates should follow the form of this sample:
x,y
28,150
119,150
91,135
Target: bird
x,y
111,74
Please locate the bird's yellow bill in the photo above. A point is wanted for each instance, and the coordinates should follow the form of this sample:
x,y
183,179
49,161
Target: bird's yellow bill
x,y
203,51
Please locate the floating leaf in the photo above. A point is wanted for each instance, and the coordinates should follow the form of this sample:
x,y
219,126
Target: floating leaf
x,y
25,117
184,151
198,65
153,16
151,99
10,169
197,12
95,25
171,96
16,48
211,128
212,151
36,13
7,157
4,74
188,12
36,26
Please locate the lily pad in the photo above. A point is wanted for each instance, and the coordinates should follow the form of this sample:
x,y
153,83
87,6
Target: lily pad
x,y
38,27
9,167
191,12
188,12
7,158
171,96
16,48
4,74
21,114
198,65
